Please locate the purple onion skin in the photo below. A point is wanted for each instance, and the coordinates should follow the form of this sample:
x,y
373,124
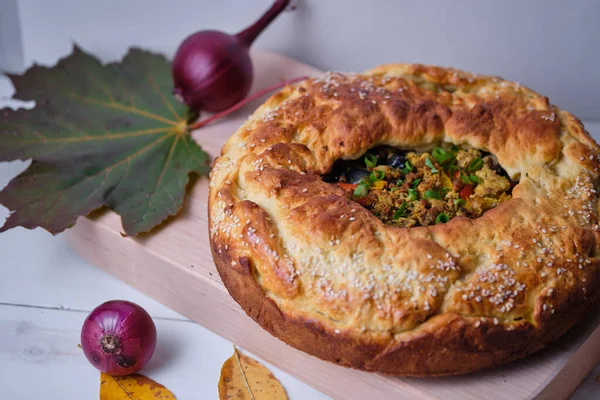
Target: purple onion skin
x,y
212,71
118,337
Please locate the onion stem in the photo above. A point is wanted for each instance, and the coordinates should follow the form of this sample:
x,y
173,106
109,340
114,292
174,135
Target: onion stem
x,y
248,35
242,103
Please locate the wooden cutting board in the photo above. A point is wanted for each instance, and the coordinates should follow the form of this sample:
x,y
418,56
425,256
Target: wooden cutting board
x,y
174,265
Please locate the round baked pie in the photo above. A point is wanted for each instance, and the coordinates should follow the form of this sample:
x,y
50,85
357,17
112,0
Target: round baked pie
x,y
412,220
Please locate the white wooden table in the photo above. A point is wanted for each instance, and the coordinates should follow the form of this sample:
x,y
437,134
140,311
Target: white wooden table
x,y
46,291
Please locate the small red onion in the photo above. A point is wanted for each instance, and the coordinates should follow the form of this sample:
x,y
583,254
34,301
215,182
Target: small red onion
x,y
118,337
212,70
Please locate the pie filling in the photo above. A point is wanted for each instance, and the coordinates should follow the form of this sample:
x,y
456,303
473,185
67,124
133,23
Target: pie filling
x,y
406,189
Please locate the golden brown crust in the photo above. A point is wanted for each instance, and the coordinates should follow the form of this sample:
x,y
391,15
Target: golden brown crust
x,y
321,273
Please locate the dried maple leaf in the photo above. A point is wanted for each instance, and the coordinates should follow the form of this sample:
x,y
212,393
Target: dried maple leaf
x,y
99,135
132,387
245,378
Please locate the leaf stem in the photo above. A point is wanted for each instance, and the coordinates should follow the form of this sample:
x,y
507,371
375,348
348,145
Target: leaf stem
x,y
242,103
239,362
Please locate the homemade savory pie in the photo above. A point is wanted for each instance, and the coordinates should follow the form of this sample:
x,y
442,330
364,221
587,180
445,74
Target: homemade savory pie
x,y
412,220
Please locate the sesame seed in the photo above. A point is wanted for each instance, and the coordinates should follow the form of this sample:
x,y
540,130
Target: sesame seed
x,y
352,218
429,256
496,322
233,263
337,331
304,190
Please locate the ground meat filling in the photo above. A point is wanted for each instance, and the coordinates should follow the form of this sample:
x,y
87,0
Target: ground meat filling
x,y
406,189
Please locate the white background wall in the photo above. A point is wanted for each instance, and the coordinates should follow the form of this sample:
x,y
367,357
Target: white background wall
x,y
11,49
552,46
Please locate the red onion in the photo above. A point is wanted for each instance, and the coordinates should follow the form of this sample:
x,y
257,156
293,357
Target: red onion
x,y
212,70
118,337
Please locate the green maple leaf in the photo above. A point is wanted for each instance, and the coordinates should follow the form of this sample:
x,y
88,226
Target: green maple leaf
x,y
99,135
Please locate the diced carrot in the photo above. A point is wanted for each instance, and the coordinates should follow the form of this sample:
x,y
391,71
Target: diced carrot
x,y
348,187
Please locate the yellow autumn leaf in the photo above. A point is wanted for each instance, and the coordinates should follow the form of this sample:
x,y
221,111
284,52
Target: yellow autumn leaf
x,y
132,387
244,378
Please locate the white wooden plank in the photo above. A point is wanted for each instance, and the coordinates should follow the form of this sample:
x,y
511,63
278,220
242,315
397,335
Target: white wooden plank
x,y
39,355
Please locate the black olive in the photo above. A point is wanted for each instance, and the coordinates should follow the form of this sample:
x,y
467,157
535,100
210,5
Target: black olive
x,y
396,161
336,173
381,153
500,171
333,176
495,166
355,175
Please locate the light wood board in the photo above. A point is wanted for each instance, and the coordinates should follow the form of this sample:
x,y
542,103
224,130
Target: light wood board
x,y
174,265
